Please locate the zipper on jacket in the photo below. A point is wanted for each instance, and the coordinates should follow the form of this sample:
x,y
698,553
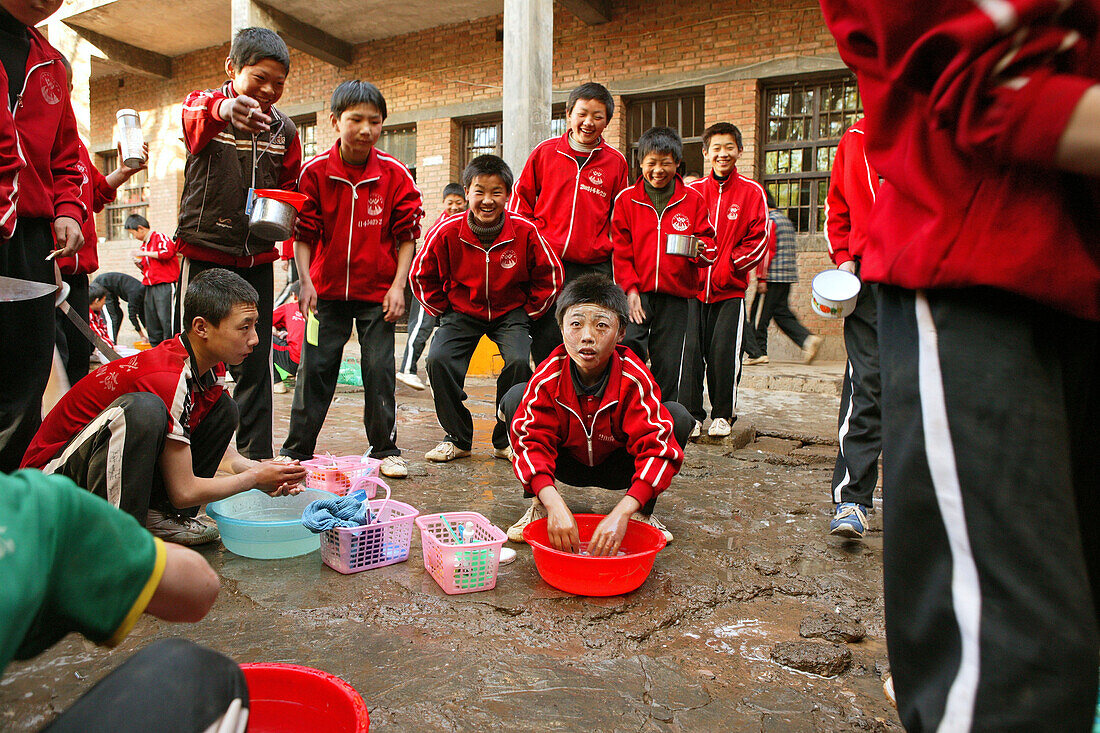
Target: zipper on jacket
x,y
26,80
576,190
351,232
717,208
595,416
488,305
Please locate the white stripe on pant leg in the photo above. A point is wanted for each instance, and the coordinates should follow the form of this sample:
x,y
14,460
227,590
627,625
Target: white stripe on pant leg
x,y
410,337
185,280
737,354
966,592
115,445
845,426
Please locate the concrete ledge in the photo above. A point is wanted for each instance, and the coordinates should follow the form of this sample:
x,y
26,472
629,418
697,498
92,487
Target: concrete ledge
x,y
743,433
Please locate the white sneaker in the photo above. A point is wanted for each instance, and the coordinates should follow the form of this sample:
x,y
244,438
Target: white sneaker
x,y
696,431
754,360
394,467
504,454
180,529
652,521
412,381
445,452
279,388
507,555
719,428
534,512
809,349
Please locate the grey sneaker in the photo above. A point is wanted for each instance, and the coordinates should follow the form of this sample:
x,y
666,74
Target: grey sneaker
x,y
652,521
445,452
394,467
534,512
180,529
504,454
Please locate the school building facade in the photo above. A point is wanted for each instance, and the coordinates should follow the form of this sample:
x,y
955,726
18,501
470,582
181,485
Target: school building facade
x,y
769,67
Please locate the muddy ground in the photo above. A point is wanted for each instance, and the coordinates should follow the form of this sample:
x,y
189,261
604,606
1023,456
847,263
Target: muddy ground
x,y
747,623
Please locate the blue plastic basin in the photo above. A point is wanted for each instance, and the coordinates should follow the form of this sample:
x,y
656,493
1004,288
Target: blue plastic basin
x,y
256,525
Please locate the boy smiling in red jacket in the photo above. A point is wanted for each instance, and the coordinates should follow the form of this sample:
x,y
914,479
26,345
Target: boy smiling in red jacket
x,y
354,244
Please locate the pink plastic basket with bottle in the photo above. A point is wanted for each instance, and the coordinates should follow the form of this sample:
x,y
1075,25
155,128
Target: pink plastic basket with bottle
x,y
461,550
337,474
384,541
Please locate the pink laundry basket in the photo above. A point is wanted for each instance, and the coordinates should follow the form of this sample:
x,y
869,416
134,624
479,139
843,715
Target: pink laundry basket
x,y
337,474
464,568
384,542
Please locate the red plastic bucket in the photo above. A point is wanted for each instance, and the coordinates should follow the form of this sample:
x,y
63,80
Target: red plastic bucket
x,y
596,576
289,698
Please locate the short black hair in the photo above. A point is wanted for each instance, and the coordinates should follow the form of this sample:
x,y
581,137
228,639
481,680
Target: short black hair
x,y
351,93
722,128
591,90
453,189
487,165
96,291
771,199
133,221
253,45
660,140
595,288
213,294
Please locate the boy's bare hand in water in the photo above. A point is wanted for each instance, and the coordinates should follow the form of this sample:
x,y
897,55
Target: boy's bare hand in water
x,y
279,478
610,531
561,527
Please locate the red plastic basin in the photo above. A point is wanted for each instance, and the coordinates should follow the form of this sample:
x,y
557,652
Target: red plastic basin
x,y
288,698
596,576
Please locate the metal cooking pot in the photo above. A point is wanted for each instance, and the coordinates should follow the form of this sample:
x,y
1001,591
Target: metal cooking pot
x,y
684,245
272,219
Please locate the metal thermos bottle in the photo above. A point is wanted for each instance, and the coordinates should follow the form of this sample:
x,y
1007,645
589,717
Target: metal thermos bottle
x,y
130,138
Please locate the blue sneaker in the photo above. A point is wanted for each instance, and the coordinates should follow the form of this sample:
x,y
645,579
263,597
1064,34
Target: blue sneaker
x,y
850,520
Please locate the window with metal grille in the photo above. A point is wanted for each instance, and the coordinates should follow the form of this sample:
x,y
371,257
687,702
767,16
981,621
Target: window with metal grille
x,y
132,197
400,142
803,122
682,111
485,135
307,133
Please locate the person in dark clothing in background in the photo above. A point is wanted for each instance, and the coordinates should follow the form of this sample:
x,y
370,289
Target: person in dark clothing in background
x,y
120,286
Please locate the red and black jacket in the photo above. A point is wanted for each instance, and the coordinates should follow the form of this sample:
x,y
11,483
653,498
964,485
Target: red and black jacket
x,y
738,210
853,186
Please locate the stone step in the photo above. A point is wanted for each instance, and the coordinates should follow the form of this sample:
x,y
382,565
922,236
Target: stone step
x,y
826,378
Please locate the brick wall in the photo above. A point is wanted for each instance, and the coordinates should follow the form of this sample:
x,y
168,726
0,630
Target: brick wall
x,y
667,45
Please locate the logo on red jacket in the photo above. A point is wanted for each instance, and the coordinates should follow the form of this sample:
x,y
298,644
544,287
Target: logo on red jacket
x,y
508,259
734,212
374,205
83,174
596,176
680,222
51,90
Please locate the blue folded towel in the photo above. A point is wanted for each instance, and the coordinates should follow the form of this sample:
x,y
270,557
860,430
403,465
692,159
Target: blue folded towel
x,y
344,511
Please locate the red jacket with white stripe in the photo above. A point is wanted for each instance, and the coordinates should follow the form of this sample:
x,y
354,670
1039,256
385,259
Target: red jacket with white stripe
x,y
569,202
551,419
11,163
639,236
966,103
99,325
49,185
354,221
518,270
738,210
162,268
96,193
853,186
167,370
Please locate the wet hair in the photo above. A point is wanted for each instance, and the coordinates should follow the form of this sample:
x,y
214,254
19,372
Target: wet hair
x,y
722,128
487,165
660,140
213,294
253,45
597,289
453,189
96,291
135,221
351,93
771,199
591,90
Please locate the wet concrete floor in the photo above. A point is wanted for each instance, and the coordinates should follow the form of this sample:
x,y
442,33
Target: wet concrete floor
x,y
747,623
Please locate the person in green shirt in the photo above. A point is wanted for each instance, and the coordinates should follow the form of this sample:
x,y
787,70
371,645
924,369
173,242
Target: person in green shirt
x,y
72,562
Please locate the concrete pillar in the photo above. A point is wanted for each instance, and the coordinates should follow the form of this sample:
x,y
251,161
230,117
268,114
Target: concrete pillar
x,y
528,69
79,52
247,14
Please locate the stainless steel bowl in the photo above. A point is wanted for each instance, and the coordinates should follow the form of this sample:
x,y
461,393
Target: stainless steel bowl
x,y
272,219
684,245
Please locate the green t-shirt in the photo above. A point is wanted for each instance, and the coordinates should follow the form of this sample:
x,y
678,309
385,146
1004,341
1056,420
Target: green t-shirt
x,y
69,561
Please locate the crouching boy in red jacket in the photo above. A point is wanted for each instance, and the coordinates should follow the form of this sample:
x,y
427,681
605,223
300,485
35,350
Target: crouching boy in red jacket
x,y
592,416
483,272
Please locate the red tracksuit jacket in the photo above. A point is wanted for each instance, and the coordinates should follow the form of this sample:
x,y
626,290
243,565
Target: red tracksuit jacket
x,y
570,203
11,163
966,103
289,318
518,270
354,225
165,267
738,210
638,236
95,193
852,190
49,185
551,419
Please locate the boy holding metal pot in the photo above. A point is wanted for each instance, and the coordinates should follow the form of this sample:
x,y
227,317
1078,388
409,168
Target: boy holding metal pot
x,y
661,287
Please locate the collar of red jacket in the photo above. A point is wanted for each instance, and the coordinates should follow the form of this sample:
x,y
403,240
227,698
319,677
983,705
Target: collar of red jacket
x,y
712,179
563,146
466,234
335,167
567,395
638,194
